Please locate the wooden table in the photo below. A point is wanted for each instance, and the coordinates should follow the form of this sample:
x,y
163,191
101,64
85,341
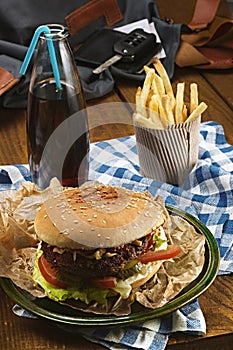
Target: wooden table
x,y
216,90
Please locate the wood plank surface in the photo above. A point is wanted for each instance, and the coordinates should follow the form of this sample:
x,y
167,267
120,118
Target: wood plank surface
x,y
13,127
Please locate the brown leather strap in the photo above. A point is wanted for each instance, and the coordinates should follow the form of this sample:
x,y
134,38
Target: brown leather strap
x,y
219,32
91,11
204,13
7,80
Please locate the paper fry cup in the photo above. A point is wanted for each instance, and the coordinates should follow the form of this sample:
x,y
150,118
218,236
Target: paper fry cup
x,y
168,155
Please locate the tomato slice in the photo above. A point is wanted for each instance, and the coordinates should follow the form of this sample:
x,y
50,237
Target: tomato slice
x,y
163,254
105,282
49,273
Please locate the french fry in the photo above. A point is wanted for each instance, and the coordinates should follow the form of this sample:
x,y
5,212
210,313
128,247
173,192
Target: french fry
x,y
185,112
163,74
193,97
139,107
146,122
154,113
162,112
150,94
153,83
198,111
147,69
146,87
154,104
179,105
154,87
168,109
138,95
159,85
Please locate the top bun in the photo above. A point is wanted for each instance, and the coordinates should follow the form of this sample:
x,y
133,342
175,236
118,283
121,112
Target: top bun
x,y
98,216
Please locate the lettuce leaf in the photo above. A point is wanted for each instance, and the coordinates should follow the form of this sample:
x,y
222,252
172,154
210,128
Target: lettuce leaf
x,y
83,293
86,293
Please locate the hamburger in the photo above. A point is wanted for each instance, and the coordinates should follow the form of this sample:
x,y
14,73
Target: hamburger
x,y
99,241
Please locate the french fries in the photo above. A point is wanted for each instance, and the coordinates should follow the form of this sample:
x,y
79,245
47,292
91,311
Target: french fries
x,y
193,97
157,106
162,72
179,105
199,110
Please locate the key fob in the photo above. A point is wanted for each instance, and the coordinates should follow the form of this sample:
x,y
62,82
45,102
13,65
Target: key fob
x,y
136,43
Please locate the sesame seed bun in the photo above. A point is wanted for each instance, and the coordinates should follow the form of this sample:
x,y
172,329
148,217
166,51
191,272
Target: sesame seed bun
x,y
98,216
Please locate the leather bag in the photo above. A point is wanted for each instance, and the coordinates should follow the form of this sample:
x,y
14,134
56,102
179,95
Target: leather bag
x,y
207,41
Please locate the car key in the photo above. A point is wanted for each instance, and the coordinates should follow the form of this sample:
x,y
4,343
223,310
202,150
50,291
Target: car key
x,y
131,46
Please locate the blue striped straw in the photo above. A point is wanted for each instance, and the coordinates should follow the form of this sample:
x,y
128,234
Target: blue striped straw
x,y
52,54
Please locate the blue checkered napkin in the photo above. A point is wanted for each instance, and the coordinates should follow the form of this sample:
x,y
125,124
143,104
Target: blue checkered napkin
x,y
150,335
153,334
207,194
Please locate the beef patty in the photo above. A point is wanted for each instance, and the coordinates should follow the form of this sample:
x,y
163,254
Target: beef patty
x,y
96,263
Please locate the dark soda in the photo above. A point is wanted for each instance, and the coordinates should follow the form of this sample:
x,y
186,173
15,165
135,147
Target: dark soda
x,y
58,136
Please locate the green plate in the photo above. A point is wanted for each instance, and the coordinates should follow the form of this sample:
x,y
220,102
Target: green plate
x,y
54,311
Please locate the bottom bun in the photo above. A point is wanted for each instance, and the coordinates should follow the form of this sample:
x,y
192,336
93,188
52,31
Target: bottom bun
x,y
139,283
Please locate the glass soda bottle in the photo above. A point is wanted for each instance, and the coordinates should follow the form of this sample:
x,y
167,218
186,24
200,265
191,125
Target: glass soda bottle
x,y
57,125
